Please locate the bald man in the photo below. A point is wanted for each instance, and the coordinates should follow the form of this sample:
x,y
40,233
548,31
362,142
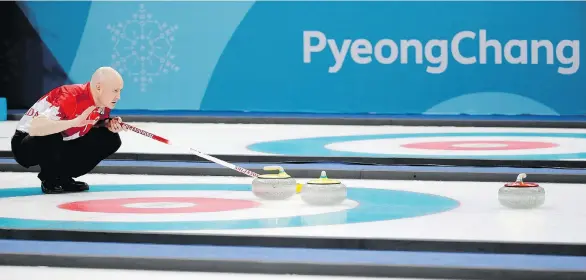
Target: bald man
x,y
69,131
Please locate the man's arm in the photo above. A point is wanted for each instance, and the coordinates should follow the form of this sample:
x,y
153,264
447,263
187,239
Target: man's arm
x,y
42,125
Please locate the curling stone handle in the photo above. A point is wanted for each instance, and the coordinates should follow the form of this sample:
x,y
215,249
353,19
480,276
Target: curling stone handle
x,y
521,177
274,168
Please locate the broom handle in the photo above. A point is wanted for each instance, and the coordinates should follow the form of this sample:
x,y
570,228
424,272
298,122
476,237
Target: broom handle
x,y
196,152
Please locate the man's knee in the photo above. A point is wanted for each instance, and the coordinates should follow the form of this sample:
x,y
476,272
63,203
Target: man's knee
x,y
116,142
104,143
112,142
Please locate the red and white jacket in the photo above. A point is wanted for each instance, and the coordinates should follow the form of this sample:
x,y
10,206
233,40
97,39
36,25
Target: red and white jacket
x,y
65,103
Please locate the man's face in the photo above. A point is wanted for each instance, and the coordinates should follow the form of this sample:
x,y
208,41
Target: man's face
x,y
110,92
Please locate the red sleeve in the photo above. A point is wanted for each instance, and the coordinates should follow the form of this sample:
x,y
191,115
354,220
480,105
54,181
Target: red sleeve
x,y
67,108
61,105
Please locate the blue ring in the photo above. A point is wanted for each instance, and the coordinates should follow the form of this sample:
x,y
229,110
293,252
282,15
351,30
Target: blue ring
x,y
315,146
374,205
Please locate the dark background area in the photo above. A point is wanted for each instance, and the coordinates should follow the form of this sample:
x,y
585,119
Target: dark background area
x,y
27,67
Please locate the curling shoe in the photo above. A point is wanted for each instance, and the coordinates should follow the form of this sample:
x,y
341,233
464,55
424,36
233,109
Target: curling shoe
x,y
52,187
70,185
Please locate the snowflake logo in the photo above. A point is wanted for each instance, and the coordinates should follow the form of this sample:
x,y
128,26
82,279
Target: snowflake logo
x,y
142,47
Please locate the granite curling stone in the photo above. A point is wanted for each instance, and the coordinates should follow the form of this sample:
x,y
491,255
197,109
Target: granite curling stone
x,y
324,191
278,186
521,195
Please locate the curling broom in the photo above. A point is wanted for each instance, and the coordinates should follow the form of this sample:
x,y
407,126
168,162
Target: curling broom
x,y
202,155
194,151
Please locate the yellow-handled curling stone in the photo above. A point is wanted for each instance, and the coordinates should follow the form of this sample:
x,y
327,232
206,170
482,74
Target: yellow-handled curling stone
x,y
521,195
279,186
324,191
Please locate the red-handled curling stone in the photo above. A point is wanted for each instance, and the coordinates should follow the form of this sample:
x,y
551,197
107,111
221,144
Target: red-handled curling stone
x,y
521,195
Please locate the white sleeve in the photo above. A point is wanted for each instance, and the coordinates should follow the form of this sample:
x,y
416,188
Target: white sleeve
x,y
51,112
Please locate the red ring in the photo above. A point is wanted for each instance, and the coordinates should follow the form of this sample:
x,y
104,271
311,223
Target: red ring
x,y
452,145
116,205
521,185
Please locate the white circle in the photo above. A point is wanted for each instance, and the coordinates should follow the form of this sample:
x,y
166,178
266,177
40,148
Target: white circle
x,y
159,205
394,146
480,145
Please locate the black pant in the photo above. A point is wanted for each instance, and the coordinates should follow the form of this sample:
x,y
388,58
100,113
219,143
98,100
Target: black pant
x,y
64,159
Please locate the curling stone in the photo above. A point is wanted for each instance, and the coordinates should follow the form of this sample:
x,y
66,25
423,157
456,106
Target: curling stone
x,y
278,186
521,195
323,191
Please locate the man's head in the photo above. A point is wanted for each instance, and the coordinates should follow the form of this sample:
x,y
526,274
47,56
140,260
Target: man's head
x,y
106,85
